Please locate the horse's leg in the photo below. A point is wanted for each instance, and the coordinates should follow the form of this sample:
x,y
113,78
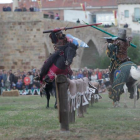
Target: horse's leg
x,y
55,106
135,95
48,98
116,104
125,92
54,87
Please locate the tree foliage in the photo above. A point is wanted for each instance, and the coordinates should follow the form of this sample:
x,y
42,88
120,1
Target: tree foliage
x,y
102,62
134,53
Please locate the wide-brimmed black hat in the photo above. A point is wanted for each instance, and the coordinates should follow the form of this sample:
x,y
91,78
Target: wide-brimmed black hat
x,y
58,32
122,34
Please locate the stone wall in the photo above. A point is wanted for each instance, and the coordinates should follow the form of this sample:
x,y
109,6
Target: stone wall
x,y
23,45
21,40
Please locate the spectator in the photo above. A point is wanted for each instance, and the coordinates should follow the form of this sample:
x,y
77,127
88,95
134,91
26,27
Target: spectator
x,y
85,73
34,87
19,9
4,9
11,78
57,16
94,77
31,79
78,21
19,84
14,87
80,75
24,9
34,70
23,75
31,9
27,81
1,81
36,9
8,8
94,80
99,75
74,75
24,92
4,76
16,9
7,84
15,78
126,25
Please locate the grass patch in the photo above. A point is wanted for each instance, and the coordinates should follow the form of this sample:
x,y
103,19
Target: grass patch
x,y
25,117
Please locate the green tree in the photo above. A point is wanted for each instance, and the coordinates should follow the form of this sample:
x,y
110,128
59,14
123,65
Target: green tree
x,y
102,62
134,53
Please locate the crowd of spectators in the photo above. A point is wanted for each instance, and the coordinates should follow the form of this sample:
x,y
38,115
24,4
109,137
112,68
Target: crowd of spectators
x,y
20,9
24,9
98,78
7,8
23,80
20,80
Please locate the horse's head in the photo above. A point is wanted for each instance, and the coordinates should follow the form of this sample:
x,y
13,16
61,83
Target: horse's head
x,y
70,53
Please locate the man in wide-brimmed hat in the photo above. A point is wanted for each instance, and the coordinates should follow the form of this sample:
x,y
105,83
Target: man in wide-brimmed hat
x,y
117,50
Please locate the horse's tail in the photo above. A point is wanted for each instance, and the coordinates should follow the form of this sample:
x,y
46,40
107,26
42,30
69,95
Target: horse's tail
x,y
135,74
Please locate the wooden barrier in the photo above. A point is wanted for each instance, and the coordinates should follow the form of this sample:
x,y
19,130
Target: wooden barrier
x,y
69,102
62,96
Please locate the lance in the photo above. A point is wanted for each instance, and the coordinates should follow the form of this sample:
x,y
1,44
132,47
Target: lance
x,y
108,33
68,28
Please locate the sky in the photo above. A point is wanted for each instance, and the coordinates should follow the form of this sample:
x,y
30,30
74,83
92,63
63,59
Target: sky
x,y
5,1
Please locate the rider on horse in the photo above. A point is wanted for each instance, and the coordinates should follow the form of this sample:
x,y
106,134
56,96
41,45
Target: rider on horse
x,y
59,40
117,51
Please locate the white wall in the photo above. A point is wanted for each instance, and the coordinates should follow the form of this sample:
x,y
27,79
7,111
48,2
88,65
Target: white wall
x,y
105,18
135,26
74,15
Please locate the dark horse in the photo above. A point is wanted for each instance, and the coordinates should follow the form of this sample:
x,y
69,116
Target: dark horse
x,y
58,63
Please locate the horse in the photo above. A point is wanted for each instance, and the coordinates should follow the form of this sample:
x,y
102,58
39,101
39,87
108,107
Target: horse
x,y
126,79
58,63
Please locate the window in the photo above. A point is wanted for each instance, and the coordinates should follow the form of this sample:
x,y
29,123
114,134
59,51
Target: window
x,y
126,14
137,14
33,0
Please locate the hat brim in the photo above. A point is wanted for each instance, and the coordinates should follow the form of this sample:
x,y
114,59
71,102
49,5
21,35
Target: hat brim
x,y
111,38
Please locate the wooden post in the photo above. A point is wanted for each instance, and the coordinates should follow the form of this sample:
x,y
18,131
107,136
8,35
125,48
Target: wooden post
x,y
71,113
80,109
62,85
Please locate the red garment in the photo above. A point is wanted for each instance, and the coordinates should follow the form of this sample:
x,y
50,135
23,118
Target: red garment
x,y
99,75
56,71
26,80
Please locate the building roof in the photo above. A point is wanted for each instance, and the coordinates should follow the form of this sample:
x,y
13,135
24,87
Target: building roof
x,y
76,3
66,3
128,1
